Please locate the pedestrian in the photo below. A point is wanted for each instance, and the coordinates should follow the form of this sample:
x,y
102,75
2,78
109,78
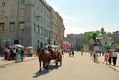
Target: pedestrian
x,y
106,58
110,57
8,53
5,52
11,54
62,52
95,56
114,58
14,53
25,52
22,54
82,50
19,53
91,49
72,53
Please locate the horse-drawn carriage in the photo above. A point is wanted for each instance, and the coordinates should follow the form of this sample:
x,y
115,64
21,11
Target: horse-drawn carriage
x,y
49,53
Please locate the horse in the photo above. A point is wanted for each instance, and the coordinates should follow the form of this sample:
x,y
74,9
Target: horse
x,y
45,57
56,56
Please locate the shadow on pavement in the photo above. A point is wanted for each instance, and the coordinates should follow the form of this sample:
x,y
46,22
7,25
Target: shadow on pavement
x,y
2,66
96,62
43,72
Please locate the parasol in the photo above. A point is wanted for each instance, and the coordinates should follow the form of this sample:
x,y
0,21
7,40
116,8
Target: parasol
x,y
29,47
53,46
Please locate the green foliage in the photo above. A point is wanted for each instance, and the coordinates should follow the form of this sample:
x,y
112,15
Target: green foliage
x,y
117,45
89,35
107,46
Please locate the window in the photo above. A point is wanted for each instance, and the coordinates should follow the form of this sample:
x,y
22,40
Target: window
x,y
38,43
40,31
21,25
12,27
2,12
21,12
34,14
44,32
34,28
37,7
2,27
22,1
12,13
3,4
37,30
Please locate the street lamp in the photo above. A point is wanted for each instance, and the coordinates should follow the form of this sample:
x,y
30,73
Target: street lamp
x,y
16,41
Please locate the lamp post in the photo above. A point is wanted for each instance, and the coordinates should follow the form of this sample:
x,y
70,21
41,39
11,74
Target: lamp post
x,y
16,40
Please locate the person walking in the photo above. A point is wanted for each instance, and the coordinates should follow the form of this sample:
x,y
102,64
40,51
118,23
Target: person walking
x,y
19,53
95,56
6,53
110,57
114,58
62,51
106,58
82,50
22,54
72,53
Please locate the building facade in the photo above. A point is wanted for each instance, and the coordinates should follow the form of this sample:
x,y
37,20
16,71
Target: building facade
x,y
116,36
57,28
26,22
76,40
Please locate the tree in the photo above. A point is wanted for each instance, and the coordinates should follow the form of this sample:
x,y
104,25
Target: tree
x,y
91,35
88,36
117,46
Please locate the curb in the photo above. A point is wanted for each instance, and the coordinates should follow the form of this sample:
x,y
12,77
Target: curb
x,y
111,66
114,68
13,62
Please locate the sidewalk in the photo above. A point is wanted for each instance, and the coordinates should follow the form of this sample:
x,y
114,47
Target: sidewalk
x,y
5,62
116,68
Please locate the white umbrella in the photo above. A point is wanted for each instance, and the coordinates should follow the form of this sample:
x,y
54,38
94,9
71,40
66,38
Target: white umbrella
x,y
29,47
53,46
18,45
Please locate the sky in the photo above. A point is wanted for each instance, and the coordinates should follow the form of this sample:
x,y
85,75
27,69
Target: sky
x,y
81,16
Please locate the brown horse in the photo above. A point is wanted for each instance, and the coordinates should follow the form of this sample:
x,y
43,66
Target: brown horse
x,y
58,59
45,57
56,56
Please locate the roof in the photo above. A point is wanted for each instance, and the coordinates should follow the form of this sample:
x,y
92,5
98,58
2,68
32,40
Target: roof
x,y
102,36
